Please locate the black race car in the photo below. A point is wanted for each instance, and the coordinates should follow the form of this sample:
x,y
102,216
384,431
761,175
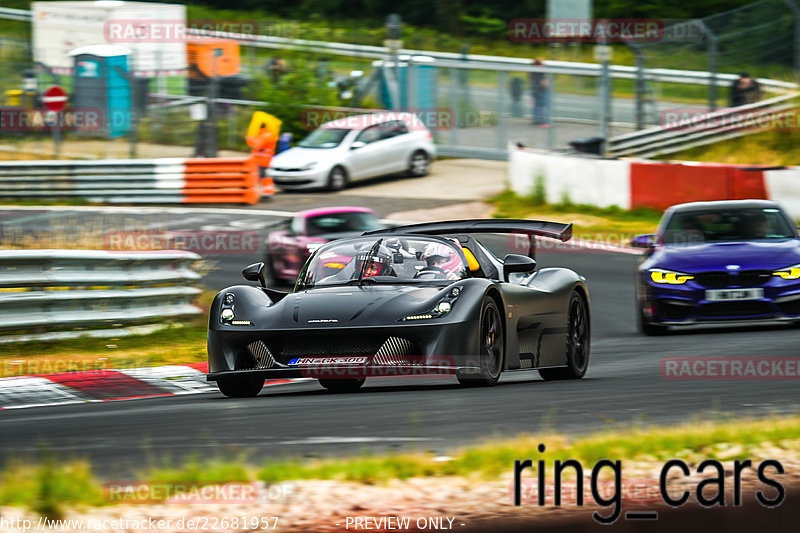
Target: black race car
x,y
413,300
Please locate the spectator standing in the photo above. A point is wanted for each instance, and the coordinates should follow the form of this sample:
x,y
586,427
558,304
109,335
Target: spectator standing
x,y
515,85
745,90
276,67
540,91
262,146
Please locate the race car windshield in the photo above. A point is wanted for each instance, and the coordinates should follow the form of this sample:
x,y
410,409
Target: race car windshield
x,y
324,138
754,224
393,260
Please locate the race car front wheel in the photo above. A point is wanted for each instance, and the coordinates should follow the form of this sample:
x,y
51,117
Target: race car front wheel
x,y
577,342
240,386
491,345
342,385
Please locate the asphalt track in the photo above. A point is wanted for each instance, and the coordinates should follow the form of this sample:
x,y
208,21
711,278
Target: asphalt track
x,y
624,384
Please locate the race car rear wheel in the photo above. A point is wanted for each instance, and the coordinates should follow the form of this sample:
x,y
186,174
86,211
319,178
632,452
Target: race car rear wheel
x,y
240,386
577,342
491,345
342,385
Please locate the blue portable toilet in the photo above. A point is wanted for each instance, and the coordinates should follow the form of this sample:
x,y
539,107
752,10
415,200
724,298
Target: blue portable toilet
x,y
101,81
416,83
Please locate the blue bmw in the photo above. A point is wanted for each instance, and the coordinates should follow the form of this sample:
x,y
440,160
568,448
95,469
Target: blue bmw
x,y
722,261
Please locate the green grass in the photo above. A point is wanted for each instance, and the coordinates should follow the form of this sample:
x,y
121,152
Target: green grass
x,y
588,221
773,147
50,486
177,344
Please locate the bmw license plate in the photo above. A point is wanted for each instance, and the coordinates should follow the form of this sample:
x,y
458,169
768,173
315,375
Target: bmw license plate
x,y
729,295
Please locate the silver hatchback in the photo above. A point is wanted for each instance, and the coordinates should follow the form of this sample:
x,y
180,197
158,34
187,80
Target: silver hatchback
x,y
354,148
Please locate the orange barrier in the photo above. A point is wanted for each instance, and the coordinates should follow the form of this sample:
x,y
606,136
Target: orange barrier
x,y
660,185
144,181
224,180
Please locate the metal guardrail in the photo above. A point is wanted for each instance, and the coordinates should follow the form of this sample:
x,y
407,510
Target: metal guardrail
x,y
15,14
712,127
60,289
165,180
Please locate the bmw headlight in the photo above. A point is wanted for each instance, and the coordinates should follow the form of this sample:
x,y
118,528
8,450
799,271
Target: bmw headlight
x,y
669,277
792,272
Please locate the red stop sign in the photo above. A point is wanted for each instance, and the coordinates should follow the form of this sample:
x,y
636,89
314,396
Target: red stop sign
x,y
54,98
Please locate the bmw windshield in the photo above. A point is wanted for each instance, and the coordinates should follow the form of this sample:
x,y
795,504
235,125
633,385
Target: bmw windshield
x,y
383,260
727,225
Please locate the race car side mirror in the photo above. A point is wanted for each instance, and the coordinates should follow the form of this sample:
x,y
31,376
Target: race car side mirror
x,y
256,272
358,144
513,263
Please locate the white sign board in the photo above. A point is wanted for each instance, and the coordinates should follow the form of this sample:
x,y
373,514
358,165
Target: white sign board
x,y
572,10
60,27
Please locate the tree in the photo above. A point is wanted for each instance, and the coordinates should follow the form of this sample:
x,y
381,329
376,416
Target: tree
x,y
298,89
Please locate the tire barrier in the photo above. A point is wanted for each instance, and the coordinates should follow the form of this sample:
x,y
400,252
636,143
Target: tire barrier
x,y
634,184
138,181
47,290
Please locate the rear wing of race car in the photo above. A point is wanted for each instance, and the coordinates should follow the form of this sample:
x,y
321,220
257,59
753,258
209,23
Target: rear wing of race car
x,y
537,228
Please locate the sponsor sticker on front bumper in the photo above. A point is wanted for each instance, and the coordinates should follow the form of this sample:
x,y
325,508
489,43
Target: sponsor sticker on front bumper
x,y
729,295
305,361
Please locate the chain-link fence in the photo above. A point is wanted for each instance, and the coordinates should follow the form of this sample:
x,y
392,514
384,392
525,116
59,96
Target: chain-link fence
x,y
478,106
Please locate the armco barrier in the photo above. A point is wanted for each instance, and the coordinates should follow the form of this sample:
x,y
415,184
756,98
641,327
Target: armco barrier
x,y
167,180
57,289
632,184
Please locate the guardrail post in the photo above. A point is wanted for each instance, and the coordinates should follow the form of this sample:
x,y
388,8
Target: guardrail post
x,y
640,89
454,101
796,14
712,68
501,109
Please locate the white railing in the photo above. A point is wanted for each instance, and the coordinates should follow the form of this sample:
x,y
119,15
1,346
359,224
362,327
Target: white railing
x,y
700,129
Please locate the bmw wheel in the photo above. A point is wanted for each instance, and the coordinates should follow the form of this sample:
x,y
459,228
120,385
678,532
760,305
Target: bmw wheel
x,y
577,342
491,345
647,327
337,179
240,386
418,165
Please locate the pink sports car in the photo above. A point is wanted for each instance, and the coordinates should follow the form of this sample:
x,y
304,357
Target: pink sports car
x,y
288,247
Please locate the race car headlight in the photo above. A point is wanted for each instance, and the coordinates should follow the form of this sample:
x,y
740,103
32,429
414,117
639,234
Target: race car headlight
x,y
792,272
669,277
441,308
